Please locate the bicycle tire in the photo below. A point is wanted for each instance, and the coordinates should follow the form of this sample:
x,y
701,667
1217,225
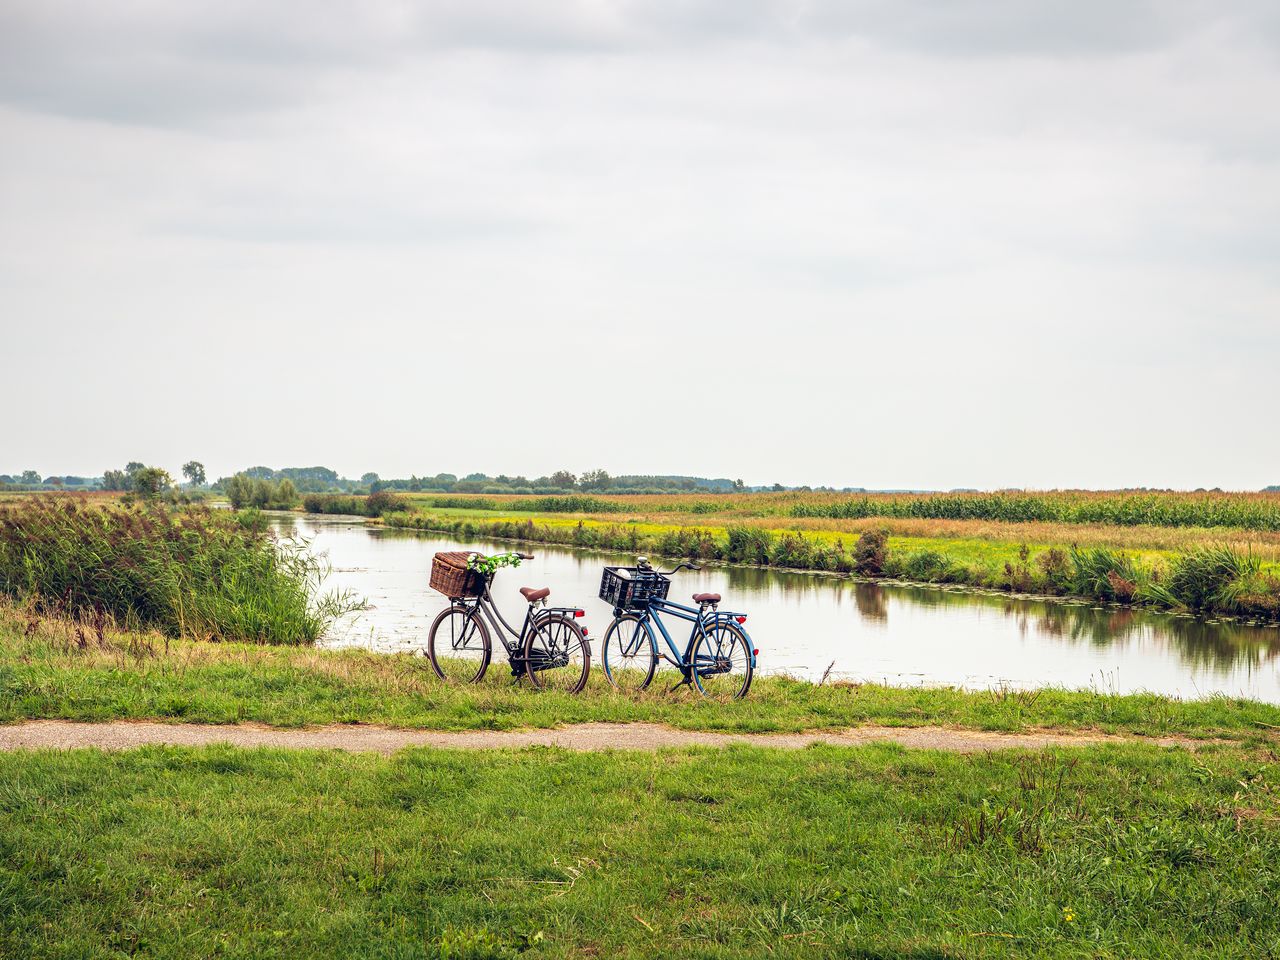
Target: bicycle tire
x,y
453,668
545,640
628,654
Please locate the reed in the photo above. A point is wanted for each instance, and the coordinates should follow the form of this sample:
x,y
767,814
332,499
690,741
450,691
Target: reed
x,y
186,573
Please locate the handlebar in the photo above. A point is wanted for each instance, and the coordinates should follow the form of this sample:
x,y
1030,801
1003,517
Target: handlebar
x,y
642,563
678,567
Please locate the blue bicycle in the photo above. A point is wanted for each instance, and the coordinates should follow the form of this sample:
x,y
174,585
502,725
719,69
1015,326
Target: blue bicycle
x,y
719,658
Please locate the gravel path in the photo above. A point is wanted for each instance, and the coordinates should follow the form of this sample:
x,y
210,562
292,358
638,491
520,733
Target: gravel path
x,y
123,735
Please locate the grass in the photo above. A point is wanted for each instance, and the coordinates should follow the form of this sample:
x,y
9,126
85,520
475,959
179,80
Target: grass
x,y
1130,852
1209,577
56,669
184,572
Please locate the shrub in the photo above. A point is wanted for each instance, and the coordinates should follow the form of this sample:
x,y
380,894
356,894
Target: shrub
x,y
870,553
245,491
1055,566
925,565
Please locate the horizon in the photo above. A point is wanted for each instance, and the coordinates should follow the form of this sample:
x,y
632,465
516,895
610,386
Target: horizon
x,y
750,486
795,243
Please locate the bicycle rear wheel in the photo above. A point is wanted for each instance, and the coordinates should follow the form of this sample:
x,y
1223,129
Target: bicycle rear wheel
x,y
458,646
556,655
630,653
721,663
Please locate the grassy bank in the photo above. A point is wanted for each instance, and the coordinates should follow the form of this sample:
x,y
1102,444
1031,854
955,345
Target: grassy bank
x,y
1210,577
184,572
55,669
873,853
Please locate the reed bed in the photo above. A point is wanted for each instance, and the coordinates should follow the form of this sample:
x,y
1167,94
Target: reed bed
x,y
183,572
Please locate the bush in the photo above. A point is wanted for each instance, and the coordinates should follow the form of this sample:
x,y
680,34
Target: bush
x,y
245,491
1055,566
193,572
374,505
870,553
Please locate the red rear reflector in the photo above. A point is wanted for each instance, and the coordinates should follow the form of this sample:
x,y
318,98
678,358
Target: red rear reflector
x,y
741,619
585,631
579,613
755,653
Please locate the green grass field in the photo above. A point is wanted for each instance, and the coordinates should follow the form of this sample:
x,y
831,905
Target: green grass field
x,y
872,852
52,669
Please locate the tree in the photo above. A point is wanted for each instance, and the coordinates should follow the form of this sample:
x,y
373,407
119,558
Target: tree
x,y
369,477
31,477
193,470
563,478
739,485
114,480
595,480
150,482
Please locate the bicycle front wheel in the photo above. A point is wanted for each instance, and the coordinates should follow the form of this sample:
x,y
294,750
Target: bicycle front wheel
x,y
556,655
458,646
721,663
630,654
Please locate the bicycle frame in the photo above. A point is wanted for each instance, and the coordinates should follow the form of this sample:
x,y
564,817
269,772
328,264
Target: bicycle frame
x,y
485,605
700,619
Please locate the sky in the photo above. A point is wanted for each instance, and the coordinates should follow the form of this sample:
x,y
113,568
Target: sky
x,y
881,243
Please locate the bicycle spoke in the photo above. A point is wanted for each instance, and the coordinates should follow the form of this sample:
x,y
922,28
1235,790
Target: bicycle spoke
x,y
628,654
458,646
720,664
556,656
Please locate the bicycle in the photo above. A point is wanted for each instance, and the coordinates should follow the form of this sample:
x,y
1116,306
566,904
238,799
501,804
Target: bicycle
x,y
719,657
550,648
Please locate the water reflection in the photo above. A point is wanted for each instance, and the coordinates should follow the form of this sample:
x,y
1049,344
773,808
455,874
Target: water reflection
x,y
805,624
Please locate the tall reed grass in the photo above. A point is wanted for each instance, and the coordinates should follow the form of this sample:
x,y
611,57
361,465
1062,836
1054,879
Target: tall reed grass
x,y
192,572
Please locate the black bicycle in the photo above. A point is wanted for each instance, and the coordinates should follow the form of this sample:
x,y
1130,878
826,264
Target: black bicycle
x,y
550,648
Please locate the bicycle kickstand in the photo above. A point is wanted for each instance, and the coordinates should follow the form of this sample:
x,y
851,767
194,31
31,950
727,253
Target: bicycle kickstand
x,y
688,679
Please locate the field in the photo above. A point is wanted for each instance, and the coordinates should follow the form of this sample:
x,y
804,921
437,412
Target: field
x,y
53,668
1162,562
871,852
1117,851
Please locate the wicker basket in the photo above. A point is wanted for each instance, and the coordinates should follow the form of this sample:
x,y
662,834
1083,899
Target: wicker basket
x,y
630,588
450,575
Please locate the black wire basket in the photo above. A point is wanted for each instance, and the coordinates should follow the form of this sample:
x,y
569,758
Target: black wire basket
x,y
630,588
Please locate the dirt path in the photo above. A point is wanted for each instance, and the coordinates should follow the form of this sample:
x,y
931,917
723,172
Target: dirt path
x,y
122,735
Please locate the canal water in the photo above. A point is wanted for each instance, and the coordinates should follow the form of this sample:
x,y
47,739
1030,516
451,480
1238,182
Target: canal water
x,y
809,625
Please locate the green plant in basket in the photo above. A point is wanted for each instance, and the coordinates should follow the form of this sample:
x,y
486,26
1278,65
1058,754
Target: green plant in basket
x,y
490,565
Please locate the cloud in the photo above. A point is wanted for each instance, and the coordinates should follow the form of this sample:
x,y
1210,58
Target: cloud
x,y
842,227
149,62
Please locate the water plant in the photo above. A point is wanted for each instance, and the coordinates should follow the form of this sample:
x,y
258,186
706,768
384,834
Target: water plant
x,y
184,572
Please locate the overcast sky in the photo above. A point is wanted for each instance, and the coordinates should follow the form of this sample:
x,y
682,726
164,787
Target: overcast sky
x,y
875,242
